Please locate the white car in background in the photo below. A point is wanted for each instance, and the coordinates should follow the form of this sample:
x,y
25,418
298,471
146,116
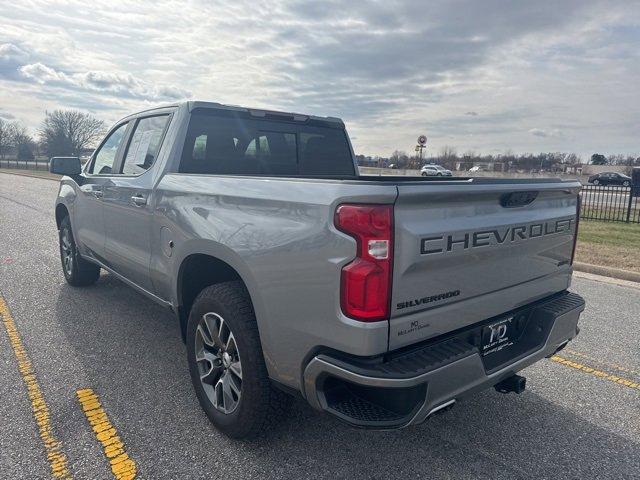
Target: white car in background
x,y
434,170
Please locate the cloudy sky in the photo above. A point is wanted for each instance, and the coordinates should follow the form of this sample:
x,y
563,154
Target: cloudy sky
x,y
487,75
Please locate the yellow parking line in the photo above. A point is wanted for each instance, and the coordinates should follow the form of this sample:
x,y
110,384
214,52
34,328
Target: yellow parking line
x,y
596,373
122,466
615,366
53,447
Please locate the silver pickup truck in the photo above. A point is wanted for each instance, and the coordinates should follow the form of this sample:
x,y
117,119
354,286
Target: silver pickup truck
x,y
380,300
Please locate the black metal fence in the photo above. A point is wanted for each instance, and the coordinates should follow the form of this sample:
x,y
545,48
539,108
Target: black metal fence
x,y
36,164
610,203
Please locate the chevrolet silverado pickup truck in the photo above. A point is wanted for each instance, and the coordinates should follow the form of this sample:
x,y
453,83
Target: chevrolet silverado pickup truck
x,y
380,300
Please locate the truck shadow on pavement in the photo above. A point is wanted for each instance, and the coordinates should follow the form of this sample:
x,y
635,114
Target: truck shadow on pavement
x,y
132,353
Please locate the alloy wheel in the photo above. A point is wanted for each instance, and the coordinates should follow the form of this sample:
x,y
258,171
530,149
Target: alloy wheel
x,y
218,361
66,244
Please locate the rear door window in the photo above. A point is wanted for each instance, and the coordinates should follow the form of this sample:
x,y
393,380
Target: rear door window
x,y
237,144
144,144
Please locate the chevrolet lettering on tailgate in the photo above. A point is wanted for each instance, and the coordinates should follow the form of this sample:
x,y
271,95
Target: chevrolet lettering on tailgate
x,y
496,236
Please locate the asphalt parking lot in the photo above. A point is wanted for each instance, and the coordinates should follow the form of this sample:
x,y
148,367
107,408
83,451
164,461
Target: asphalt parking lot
x,y
579,418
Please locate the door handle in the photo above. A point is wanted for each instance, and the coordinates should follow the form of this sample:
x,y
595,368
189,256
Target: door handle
x,y
139,200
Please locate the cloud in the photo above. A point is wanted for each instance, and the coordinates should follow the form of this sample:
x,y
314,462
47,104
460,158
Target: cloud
x,y
475,75
12,53
42,74
123,85
11,58
539,132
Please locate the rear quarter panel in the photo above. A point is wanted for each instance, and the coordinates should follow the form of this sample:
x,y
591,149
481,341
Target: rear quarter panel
x,y
278,234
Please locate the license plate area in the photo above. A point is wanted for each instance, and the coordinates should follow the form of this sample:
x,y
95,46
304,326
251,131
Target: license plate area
x,y
499,335
505,339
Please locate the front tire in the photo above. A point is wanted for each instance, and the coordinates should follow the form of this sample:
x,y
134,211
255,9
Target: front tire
x,y
596,182
626,183
226,363
77,271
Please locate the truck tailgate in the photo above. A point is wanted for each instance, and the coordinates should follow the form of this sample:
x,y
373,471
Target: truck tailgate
x,y
466,251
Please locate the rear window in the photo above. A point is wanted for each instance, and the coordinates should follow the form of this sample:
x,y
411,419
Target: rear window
x,y
234,143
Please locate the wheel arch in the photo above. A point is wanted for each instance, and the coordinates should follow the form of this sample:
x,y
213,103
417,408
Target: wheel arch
x,y
61,212
65,201
199,270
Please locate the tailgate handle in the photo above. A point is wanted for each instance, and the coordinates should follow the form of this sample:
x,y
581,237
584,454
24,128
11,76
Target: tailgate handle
x,y
517,199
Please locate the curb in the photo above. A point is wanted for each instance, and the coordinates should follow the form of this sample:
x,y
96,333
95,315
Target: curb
x,y
607,271
44,176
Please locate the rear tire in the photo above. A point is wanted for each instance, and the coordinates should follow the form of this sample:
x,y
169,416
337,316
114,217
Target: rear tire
x,y
77,271
226,363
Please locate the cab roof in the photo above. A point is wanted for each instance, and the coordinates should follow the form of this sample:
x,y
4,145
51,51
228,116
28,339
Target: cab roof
x,y
256,112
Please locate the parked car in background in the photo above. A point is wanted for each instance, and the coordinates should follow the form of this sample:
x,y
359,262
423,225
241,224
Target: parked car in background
x,y
393,166
434,170
477,168
610,178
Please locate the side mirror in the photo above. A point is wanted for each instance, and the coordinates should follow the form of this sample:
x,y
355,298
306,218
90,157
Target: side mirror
x,y
65,166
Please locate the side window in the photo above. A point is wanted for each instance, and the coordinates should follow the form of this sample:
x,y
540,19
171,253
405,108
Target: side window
x,y
144,145
105,157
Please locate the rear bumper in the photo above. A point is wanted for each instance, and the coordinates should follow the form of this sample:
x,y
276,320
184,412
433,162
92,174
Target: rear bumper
x,y
405,388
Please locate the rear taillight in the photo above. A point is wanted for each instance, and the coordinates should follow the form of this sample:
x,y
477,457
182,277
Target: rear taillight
x,y
365,284
575,238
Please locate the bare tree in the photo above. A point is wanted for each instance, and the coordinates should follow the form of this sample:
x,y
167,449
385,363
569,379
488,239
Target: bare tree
x,y
67,132
572,159
22,141
448,157
6,136
399,158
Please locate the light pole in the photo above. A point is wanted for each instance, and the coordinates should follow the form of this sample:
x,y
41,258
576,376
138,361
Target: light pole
x,y
422,144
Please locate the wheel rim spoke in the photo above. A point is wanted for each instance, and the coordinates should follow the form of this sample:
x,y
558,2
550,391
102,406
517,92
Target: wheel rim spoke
x,y
211,376
214,324
234,385
218,396
230,392
236,369
231,346
204,336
